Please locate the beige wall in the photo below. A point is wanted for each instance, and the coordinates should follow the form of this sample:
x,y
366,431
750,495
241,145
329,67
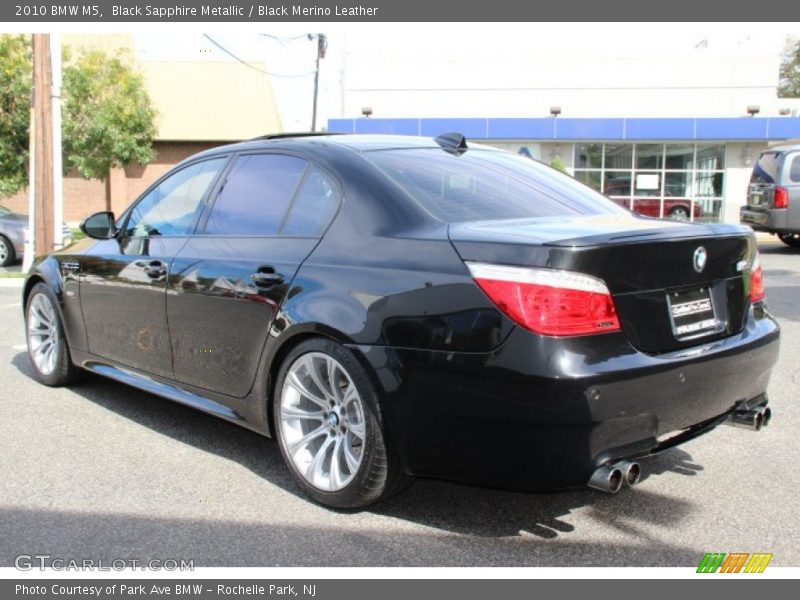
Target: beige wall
x,y
210,100
197,100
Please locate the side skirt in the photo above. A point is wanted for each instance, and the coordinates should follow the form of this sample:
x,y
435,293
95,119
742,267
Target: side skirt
x,y
169,391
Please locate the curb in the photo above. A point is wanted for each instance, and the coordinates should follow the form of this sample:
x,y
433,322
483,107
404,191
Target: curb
x,y
11,282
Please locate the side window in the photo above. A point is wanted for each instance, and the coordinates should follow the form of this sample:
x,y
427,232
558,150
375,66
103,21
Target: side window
x,y
794,170
314,206
173,207
256,195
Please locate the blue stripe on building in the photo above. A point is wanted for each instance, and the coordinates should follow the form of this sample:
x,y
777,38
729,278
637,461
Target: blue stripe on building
x,y
568,129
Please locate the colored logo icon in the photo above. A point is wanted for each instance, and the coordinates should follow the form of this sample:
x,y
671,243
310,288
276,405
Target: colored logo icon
x,y
734,562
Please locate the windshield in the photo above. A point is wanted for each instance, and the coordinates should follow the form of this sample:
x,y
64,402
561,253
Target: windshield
x,y
487,184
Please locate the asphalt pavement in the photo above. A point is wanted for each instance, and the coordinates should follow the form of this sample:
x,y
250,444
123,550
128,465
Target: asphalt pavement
x,y
101,471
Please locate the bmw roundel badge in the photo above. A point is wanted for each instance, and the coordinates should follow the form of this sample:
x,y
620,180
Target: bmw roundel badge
x,y
700,258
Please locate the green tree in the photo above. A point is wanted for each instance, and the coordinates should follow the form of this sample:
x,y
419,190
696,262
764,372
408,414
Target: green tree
x,y
558,164
789,86
15,104
109,120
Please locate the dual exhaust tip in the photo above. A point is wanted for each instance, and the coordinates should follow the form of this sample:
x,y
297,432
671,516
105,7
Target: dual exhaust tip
x,y
610,478
754,418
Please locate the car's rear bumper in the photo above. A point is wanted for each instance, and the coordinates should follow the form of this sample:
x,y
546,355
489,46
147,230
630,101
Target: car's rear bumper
x,y
543,413
772,220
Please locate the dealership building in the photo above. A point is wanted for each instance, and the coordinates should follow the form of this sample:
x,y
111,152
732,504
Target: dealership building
x,y
683,168
668,129
665,121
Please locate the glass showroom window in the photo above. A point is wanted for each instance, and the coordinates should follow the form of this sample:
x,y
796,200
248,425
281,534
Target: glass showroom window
x,y
527,148
680,181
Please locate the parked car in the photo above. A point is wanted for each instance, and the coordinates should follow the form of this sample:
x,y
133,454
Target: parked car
x,y
677,209
674,206
773,197
391,307
12,236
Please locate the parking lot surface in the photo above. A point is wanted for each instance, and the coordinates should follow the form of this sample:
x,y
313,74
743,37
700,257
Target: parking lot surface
x,y
101,471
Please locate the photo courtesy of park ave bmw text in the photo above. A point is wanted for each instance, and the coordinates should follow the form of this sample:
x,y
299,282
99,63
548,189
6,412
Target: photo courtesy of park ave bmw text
x,y
297,299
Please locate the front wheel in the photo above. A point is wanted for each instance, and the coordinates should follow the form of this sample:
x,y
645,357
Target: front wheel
x,y
47,345
790,239
329,430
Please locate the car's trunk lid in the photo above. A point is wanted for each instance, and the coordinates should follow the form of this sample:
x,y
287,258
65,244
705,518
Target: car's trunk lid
x,y
647,264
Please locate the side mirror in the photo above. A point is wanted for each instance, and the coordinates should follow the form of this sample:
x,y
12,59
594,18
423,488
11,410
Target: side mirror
x,y
100,226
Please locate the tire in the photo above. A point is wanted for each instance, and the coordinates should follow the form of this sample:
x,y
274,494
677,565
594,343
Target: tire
x,y
344,460
790,239
7,255
679,213
47,344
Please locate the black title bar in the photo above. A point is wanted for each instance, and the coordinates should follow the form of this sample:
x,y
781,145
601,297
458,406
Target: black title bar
x,y
266,11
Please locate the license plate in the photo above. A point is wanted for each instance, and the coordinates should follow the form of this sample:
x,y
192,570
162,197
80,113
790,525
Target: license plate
x,y
692,313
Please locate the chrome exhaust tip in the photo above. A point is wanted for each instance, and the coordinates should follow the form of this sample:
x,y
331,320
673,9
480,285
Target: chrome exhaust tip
x,y
631,472
751,419
607,478
766,416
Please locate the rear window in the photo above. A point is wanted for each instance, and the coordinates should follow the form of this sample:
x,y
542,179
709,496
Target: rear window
x,y
767,168
485,184
794,171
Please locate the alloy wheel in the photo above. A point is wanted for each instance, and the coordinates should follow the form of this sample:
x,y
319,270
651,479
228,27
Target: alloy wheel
x,y
322,421
679,214
4,251
43,334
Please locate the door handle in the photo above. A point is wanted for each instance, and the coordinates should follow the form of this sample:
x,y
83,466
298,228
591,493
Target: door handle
x,y
266,277
155,269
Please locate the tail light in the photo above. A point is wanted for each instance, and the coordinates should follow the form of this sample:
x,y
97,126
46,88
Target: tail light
x,y
781,198
548,301
757,290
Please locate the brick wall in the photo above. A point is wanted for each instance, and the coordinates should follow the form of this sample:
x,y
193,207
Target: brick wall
x,y
83,197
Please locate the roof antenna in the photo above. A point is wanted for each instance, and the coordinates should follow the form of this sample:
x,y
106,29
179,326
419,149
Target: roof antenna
x,y
452,143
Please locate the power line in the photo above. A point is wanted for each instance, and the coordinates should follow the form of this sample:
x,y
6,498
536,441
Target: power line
x,y
247,64
283,41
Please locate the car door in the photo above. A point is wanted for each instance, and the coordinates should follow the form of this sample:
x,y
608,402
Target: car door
x,y
228,281
123,280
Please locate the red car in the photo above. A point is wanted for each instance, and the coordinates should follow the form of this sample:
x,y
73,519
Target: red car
x,y
674,208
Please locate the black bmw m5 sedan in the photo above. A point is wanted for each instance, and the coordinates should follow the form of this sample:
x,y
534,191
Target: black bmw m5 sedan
x,y
390,307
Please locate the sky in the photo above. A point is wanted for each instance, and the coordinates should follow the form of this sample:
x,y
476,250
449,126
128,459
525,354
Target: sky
x,y
289,54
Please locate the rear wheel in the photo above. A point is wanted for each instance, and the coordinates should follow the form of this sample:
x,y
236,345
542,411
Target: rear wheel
x,y
790,239
7,255
329,428
47,345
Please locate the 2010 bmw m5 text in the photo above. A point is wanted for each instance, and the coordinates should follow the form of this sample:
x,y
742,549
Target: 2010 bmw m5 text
x,y
391,307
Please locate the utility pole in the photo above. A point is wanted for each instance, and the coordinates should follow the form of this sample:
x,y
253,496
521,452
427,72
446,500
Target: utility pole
x,y
322,46
58,166
43,144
